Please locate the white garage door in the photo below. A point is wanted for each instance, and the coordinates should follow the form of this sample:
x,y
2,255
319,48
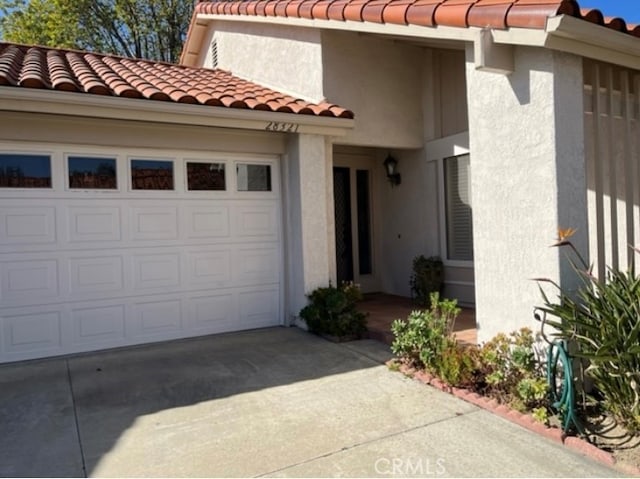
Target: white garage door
x,y
104,248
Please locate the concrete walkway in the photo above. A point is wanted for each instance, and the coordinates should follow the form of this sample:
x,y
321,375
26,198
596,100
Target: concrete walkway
x,y
274,402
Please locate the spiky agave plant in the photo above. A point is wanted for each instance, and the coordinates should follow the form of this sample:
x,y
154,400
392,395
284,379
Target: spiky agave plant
x,y
602,321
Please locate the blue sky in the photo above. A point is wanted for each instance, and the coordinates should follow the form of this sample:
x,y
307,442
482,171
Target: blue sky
x,y
627,9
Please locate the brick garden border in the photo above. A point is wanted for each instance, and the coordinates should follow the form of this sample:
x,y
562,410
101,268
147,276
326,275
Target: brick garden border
x,y
524,420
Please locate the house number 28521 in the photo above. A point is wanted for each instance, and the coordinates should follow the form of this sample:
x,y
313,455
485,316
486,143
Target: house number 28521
x,y
280,126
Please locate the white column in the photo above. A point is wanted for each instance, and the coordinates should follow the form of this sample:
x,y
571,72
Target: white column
x,y
309,224
528,179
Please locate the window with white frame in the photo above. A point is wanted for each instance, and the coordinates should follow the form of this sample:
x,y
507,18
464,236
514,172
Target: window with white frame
x,y
457,182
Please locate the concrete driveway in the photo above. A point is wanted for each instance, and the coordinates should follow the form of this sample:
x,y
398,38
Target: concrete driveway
x,y
273,402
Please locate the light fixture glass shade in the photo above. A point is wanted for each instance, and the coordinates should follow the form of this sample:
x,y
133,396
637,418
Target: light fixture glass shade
x,y
390,164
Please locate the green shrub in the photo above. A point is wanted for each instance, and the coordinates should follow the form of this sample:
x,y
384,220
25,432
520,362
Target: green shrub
x,y
332,311
511,372
459,365
602,323
427,278
424,335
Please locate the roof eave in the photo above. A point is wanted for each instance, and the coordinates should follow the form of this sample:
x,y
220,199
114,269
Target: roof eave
x,y
193,43
572,35
93,106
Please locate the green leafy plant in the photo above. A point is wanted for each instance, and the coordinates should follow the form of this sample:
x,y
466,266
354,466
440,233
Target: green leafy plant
x,y
459,365
332,311
424,335
511,371
427,278
602,323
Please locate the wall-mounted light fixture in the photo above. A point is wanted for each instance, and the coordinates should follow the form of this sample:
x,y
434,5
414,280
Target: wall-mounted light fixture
x,y
391,164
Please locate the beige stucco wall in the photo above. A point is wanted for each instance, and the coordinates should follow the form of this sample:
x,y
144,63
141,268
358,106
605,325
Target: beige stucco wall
x,y
288,59
528,179
381,81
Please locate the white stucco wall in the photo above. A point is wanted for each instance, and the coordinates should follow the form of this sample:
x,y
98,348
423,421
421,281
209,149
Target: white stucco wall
x,y
308,253
528,179
381,81
288,59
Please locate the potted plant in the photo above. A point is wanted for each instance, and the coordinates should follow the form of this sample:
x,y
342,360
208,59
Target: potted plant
x,y
427,277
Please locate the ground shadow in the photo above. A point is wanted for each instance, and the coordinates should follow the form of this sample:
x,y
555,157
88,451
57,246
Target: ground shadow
x,y
100,396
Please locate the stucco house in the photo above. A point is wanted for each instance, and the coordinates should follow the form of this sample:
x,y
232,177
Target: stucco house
x,y
142,202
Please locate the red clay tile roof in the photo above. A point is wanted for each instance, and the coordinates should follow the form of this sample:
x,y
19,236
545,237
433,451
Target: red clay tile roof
x,y
499,14
84,72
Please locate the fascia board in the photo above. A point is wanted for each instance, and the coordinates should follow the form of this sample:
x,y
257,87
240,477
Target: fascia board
x,y
572,35
64,103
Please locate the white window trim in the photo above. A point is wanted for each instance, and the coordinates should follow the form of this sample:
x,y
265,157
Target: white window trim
x,y
438,150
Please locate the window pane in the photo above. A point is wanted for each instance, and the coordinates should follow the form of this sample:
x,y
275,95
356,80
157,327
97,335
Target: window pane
x,y
205,176
94,173
254,177
458,205
152,175
25,171
364,222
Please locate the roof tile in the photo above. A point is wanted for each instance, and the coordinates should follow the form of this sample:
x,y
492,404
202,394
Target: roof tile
x,y
455,13
321,9
92,73
306,9
353,10
336,9
373,10
423,12
396,12
489,14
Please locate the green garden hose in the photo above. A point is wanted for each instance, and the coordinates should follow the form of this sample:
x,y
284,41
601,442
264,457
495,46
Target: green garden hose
x,y
560,379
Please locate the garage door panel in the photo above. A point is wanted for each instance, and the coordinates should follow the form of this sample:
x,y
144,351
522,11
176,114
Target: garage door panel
x,y
104,324
259,308
152,271
28,281
207,221
253,221
155,317
256,265
88,224
31,332
27,225
212,313
96,275
154,223
209,267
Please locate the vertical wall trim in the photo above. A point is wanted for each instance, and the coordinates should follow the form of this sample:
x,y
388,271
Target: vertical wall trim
x,y
627,112
613,180
597,108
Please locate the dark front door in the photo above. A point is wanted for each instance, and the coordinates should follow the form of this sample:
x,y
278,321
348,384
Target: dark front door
x,y
344,244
